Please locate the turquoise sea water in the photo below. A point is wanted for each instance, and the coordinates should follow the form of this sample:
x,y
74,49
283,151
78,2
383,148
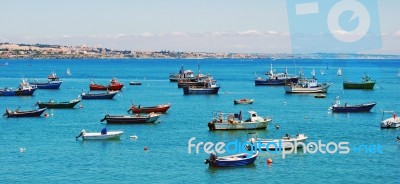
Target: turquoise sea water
x,y
53,155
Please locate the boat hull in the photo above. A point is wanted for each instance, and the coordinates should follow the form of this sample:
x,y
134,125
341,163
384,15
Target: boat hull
x,y
100,96
24,114
25,92
58,105
233,161
131,119
111,135
274,82
352,85
160,109
94,87
200,91
47,85
299,89
249,101
354,108
240,126
391,123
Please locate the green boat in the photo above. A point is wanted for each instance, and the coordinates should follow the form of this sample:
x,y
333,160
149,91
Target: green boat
x,y
366,83
59,105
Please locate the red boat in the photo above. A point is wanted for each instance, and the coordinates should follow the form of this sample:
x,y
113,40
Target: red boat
x,y
159,108
113,86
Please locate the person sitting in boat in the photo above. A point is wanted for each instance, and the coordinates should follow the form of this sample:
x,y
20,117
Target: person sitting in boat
x,y
220,117
345,104
287,136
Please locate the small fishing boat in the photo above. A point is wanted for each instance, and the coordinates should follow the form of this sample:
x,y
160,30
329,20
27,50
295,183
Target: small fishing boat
x,y
365,107
54,82
208,88
243,101
19,114
286,142
276,79
393,122
135,83
53,105
47,85
113,86
231,121
107,95
24,89
366,83
339,72
198,81
148,109
103,135
307,85
182,74
320,96
231,160
133,119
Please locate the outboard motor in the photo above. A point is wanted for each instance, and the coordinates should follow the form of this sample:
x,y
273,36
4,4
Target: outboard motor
x,y
212,159
211,125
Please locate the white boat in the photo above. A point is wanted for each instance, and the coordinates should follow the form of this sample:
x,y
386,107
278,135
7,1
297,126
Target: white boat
x,y
286,142
68,72
231,121
393,122
339,72
103,135
307,85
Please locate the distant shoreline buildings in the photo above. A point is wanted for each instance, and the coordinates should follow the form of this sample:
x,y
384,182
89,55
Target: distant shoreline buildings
x,y
45,51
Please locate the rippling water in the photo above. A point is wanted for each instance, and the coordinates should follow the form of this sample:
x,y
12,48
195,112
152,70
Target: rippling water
x,y
53,155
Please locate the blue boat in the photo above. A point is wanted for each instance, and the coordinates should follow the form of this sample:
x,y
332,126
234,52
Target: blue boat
x,y
48,84
209,88
231,160
91,96
54,82
24,89
366,107
276,79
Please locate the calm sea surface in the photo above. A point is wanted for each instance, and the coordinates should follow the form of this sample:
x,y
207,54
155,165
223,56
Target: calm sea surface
x,y
53,155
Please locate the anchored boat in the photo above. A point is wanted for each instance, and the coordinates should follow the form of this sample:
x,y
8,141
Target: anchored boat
x,y
231,121
393,122
133,119
53,105
286,142
113,86
243,101
103,135
54,82
159,108
276,79
24,89
231,160
366,83
19,114
107,95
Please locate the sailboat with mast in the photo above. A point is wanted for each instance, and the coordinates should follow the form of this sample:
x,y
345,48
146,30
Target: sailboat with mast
x,y
68,72
339,72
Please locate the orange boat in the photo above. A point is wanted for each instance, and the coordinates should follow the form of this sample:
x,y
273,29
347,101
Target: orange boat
x,y
159,108
113,86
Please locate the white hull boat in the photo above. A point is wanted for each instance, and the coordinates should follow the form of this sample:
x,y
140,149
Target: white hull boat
x,y
108,135
235,122
279,144
393,122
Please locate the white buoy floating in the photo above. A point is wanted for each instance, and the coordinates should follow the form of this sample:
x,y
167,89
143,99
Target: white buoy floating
x,y
22,150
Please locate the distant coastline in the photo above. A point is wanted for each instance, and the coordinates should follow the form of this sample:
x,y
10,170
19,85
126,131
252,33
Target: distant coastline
x,y
45,51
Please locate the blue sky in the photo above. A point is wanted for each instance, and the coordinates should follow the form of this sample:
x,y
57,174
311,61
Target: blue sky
x,y
181,25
